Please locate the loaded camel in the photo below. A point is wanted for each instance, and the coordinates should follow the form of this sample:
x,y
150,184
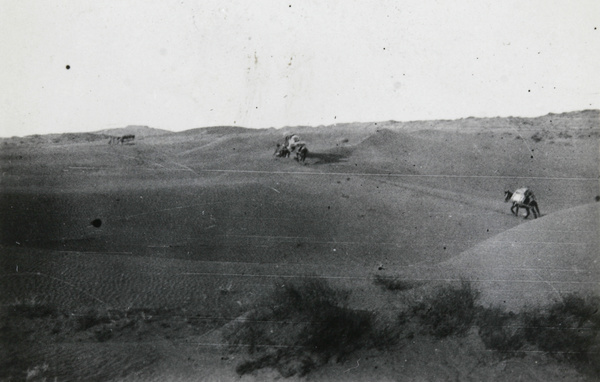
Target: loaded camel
x,y
301,153
522,198
292,144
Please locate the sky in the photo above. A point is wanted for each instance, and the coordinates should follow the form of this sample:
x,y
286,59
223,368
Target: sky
x,y
77,65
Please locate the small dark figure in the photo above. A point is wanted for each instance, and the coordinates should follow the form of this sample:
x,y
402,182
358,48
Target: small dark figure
x,y
127,138
121,140
281,151
301,153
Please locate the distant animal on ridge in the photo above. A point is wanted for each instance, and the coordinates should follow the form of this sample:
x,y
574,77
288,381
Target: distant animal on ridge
x,y
121,140
522,198
127,138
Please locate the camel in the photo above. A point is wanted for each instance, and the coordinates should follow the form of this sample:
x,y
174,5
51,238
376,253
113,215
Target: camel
x,y
291,141
301,153
292,144
522,198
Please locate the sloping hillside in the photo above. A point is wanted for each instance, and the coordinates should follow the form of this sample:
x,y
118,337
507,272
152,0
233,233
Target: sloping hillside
x,y
138,131
197,226
537,262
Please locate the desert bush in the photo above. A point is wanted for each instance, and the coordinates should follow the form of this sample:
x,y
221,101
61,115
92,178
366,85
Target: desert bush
x,y
450,310
564,134
300,326
537,137
567,329
92,318
500,331
395,283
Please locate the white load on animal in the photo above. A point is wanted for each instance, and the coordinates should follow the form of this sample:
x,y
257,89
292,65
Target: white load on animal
x,y
520,195
522,198
291,141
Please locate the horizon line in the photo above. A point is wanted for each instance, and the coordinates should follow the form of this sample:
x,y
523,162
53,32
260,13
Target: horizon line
x,y
100,131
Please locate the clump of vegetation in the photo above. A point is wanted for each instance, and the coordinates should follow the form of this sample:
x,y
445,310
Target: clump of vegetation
x,y
299,327
394,283
564,134
537,137
567,330
450,310
304,324
500,331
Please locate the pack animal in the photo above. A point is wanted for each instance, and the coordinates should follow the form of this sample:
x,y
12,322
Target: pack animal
x,y
121,140
522,198
301,153
291,142
127,138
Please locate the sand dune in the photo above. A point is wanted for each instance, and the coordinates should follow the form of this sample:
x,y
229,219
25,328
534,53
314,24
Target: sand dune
x,y
537,262
204,222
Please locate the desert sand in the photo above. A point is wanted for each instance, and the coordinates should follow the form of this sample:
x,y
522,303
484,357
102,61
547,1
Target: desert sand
x,y
193,227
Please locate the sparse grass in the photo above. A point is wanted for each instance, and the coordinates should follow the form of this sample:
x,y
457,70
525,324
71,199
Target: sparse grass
x,y
299,327
28,316
302,325
451,310
31,308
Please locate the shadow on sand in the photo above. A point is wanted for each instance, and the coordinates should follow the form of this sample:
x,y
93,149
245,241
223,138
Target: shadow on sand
x,y
325,158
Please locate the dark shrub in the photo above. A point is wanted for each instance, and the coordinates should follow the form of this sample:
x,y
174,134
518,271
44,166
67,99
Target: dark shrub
x,y
451,310
300,326
568,329
500,331
564,134
537,137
